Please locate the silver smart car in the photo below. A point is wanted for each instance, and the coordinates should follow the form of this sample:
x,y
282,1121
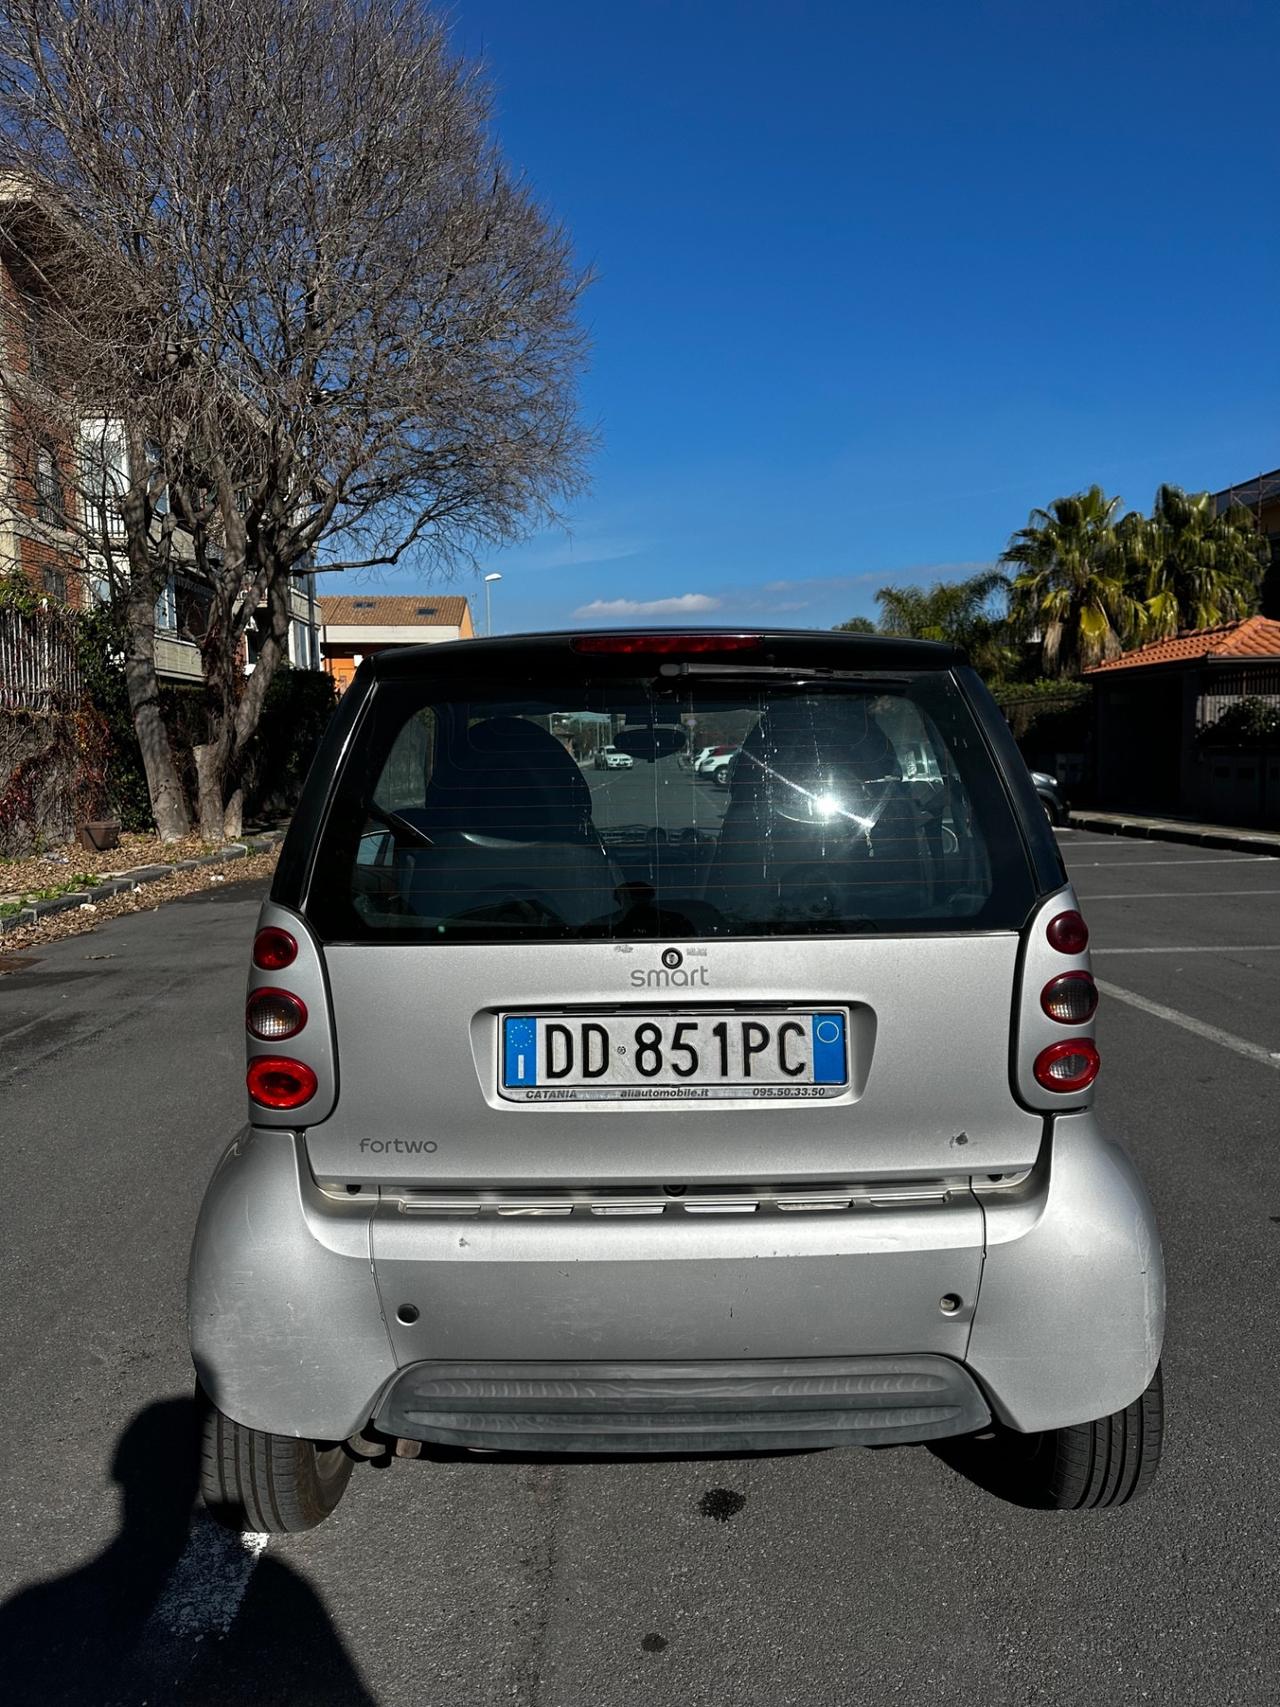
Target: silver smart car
x,y
598,1111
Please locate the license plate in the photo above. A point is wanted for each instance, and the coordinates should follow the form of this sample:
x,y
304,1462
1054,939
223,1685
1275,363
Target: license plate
x,y
676,1057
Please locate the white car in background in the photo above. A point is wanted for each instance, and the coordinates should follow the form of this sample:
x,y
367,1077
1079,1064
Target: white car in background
x,y
610,759
719,767
710,756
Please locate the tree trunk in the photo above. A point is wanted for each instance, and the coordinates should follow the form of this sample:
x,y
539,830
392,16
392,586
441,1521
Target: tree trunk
x,y
233,816
164,785
211,765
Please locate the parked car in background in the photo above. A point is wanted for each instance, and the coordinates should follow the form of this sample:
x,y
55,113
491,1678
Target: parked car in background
x,y
707,756
610,759
720,769
1051,796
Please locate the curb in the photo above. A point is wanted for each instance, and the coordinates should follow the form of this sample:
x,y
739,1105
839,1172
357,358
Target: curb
x,y
136,879
1236,841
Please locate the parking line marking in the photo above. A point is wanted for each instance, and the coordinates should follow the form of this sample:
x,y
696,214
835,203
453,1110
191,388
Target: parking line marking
x,y
1133,864
205,1587
1214,1034
1201,948
1178,894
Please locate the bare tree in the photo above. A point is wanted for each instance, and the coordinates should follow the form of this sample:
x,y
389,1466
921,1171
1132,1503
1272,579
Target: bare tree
x,y
277,259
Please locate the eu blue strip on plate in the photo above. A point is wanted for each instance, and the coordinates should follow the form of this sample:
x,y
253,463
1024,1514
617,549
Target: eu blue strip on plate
x,y
828,1049
519,1053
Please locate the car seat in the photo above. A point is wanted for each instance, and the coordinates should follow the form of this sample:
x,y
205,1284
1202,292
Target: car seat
x,y
819,824
509,813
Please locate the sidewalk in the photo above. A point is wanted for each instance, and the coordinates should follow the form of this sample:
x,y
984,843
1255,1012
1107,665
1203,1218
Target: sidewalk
x,y
1179,830
121,882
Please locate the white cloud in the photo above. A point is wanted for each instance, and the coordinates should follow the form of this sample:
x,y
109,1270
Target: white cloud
x,y
684,604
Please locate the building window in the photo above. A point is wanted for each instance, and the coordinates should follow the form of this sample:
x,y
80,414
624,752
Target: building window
x,y
54,582
50,497
103,478
167,610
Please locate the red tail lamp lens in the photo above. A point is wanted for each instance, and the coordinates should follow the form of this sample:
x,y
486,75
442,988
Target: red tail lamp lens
x,y
274,949
685,645
274,1015
1071,998
1068,933
277,1082
1069,1066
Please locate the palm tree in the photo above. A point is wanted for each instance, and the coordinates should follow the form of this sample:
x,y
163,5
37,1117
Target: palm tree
x,y
1072,586
1198,568
968,614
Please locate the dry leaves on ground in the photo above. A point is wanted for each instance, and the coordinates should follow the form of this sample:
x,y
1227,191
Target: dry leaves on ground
x,y
57,866
146,898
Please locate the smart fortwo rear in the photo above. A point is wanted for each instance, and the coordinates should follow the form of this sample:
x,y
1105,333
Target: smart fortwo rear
x,y
593,1110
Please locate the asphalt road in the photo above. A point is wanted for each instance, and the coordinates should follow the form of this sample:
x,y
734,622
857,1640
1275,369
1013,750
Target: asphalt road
x,y
852,1577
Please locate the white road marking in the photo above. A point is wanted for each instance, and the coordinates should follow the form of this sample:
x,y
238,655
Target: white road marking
x,y
1178,894
1132,864
1228,1040
206,1586
1200,948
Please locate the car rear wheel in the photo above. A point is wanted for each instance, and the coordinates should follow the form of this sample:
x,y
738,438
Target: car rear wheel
x,y
270,1483
1094,1464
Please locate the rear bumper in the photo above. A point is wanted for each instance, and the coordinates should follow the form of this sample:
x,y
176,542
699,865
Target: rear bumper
x,y
747,1406
296,1298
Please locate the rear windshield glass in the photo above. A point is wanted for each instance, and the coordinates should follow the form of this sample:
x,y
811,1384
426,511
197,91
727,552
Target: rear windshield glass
x,y
635,808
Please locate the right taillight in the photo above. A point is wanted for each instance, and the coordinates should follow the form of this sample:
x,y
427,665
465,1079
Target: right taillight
x,y
1068,933
1071,998
1069,1066
274,949
275,1081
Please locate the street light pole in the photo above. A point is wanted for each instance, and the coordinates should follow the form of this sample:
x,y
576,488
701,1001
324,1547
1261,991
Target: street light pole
x,y
488,601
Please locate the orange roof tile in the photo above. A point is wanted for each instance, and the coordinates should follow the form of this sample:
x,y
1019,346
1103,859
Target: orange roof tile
x,y
392,610
1254,637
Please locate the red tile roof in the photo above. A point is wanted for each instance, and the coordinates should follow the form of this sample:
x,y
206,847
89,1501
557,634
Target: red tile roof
x,y
392,610
1254,637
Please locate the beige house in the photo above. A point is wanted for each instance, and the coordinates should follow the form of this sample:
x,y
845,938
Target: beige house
x,y
352,626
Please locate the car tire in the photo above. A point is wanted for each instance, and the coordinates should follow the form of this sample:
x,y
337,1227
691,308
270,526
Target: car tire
x,y
268,1483
1092,1465
1051,812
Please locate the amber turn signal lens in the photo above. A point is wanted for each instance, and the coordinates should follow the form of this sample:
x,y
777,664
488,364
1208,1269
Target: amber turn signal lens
x,y
1071,998
274,1015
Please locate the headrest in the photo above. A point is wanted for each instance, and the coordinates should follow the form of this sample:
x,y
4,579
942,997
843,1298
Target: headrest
x,y
805,740
508,777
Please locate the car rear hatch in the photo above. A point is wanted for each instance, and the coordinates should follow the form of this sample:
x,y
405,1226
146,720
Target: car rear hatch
x,y
548,978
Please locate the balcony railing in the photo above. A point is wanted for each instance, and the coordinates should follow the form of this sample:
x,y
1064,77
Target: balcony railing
x,y
38,666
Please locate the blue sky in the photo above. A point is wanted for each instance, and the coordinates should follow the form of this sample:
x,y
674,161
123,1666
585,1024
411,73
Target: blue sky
x,y
874,281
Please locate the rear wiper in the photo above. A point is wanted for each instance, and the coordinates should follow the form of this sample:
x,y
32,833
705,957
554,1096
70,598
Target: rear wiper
x,y
800,675
400,827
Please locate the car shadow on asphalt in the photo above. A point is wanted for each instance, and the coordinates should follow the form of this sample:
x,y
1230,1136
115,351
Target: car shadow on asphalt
x,y
173,1610
998,1465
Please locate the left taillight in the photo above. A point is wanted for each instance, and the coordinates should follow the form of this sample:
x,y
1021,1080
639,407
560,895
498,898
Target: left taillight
x,y
272,1015
276,1081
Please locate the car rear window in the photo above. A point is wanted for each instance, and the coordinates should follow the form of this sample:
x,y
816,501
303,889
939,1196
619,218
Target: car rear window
x,y
469,810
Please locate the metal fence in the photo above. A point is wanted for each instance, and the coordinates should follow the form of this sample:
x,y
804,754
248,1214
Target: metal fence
x,y
38,667
1220,688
